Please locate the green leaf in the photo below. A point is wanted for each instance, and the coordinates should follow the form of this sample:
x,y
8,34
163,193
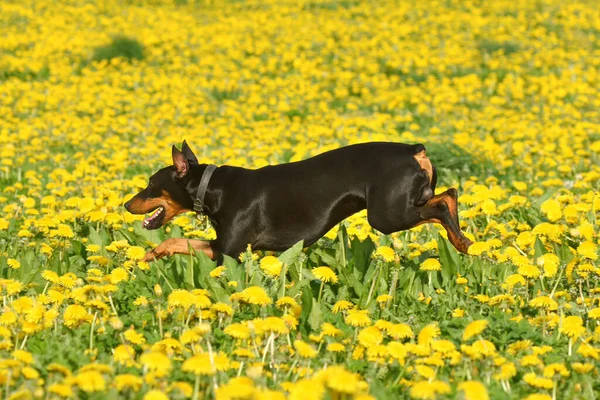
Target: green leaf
x,y
361,253
94,237
307,299
539,248
234,271
175,232
316,315
290,255
152,236
449,259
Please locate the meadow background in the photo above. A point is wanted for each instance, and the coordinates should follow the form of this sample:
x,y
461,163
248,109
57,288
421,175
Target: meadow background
x,y
504,94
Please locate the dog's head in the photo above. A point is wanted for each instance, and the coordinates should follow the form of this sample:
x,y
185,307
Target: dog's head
x,y
166,195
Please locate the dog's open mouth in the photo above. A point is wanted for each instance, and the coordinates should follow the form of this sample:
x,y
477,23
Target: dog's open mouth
x,y
155,220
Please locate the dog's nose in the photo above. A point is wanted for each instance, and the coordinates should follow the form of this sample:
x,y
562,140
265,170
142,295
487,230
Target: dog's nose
x,y
127,205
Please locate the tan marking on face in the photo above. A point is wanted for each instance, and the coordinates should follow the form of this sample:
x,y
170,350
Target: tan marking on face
x,y
138,205
456,238
172,208
425,163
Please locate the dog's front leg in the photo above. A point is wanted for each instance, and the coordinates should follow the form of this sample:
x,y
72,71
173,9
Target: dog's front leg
x,y
179,246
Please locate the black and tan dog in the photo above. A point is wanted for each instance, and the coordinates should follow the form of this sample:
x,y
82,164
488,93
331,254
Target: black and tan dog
x,y
274,207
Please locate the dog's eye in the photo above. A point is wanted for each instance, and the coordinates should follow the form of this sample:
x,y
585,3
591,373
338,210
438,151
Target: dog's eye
x,y
150,184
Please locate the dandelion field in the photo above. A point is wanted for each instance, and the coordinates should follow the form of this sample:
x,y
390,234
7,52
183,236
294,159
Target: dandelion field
x,y
503,94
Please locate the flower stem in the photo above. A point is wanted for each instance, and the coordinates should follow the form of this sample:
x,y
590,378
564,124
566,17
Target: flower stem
x,y
196,387
92,331
320,292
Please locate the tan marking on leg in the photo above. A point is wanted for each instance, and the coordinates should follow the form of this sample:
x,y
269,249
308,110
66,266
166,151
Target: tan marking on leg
x,y
425,163
179,246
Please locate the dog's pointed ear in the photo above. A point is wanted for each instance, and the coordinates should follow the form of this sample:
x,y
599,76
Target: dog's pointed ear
x,y
180,162
188,153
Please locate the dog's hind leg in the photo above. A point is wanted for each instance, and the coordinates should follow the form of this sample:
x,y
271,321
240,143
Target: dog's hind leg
x,y
443,209
180,246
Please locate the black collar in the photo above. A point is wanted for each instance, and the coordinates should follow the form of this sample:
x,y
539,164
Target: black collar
x,y
199,201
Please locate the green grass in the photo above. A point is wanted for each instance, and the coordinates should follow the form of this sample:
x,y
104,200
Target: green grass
x,y
120,46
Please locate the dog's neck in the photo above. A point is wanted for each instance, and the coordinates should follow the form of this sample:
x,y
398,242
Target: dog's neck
x,y
209,200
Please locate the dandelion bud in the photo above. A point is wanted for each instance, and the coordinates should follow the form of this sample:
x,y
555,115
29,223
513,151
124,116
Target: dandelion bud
x,y
116,323
158,290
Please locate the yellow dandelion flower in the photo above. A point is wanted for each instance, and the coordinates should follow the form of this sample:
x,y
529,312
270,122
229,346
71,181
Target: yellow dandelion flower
x,y
477,248
286,301
428,333
222,308
12,263
400,331
461,280
304,349
271,266
237,330
582,368
156,362
554,369
141,301
594,313
386,253
428,390
218,272
118,275
325,274
443,346
200,364
341,305
473,390
544,302
91,381
329,330
134,337
306,389
552,209
474,328
588,249
431,264
370,336
357,318
75,315
238,388
255,295
549,262
124,355
339,380
529,271
507,371
538,382
515,279
458,313
336,347
425,371
135,253
531,360
275,325
62,390
155,394
382,299
50,276
589,351
572,327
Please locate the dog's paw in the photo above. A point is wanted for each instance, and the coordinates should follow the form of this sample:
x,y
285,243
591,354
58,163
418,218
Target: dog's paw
x,y
154,254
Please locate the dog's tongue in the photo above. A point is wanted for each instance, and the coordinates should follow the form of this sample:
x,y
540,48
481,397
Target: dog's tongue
x,y
154,215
